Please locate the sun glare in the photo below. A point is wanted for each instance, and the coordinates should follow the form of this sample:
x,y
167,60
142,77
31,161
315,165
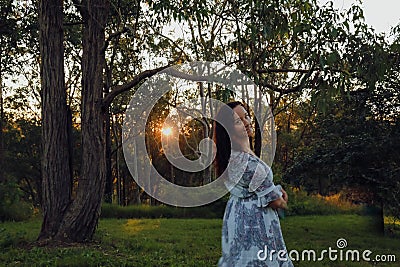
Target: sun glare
x,y
166,131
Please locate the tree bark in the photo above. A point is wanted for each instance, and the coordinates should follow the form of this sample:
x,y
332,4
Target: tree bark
x,y
1,131
81,219
109,177
108,194
56,173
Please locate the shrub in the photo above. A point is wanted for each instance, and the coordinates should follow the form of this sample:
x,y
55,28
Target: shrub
x,y
18,211
12,208
300,203
213,210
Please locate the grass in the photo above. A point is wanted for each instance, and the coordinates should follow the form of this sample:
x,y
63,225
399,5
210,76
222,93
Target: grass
x,y
186,242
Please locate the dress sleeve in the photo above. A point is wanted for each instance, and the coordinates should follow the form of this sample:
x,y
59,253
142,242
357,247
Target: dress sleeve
x,y
262,183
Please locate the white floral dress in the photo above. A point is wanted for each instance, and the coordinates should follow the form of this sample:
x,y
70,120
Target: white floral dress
x,y
251,232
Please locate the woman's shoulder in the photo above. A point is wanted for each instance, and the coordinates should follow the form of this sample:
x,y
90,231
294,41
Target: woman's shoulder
x,y
238,157
246,157
252,159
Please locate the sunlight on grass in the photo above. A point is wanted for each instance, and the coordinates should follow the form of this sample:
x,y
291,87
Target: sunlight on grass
x,y
133,226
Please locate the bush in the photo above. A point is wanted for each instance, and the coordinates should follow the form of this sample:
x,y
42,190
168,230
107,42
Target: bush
x,y
12,208
300,203
18,211
213,210
8,239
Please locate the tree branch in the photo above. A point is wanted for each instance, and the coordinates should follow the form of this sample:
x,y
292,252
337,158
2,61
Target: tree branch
x,y
129,85
296,88
283,70
261,71
111,36
275,88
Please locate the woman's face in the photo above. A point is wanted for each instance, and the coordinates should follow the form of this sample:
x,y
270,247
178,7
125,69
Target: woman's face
x,y
242,124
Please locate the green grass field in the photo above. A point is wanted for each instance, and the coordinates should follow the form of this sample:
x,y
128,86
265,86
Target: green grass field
x,y
188,242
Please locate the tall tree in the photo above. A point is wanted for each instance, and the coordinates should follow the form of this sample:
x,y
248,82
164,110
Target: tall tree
x,y
56,173
81,218
70,219
76,220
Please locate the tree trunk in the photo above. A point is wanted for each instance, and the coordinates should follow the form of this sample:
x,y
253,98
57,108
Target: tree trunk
x,y
136,174
109,178
124,189
66,220
81,219
2,178
379,219
118,173
56,173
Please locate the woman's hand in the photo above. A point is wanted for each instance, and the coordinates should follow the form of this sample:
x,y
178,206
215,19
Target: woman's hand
x,y
279,203
284,195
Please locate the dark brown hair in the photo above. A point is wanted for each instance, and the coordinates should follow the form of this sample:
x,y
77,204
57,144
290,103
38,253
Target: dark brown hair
x,y
221,136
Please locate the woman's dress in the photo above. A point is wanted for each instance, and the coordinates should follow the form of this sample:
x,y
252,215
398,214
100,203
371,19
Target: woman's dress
x,y
251,232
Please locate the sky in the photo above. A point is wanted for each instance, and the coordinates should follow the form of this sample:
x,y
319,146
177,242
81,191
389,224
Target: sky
x,y
380,14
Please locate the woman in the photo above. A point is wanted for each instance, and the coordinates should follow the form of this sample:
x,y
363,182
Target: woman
x,y
251,232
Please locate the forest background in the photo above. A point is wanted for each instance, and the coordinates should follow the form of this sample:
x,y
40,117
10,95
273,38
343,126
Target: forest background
x,y
68,70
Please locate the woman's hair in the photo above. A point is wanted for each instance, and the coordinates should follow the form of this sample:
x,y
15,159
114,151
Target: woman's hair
x,y
221,136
